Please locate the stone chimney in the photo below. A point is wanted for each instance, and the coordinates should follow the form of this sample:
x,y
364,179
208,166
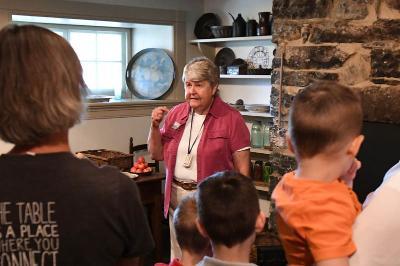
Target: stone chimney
x,y
354,42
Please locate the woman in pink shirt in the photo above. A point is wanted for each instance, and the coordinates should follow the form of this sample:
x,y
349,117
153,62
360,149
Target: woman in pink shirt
x,y
199,137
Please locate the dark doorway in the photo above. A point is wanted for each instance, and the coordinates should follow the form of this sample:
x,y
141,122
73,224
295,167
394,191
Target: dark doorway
x,y
379,152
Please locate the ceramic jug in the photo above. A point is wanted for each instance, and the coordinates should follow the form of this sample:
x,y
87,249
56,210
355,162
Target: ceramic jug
x,y
270,24
251,27
238,26
264,19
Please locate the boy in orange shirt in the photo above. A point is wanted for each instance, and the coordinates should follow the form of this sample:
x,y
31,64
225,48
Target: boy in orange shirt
x,y
315,205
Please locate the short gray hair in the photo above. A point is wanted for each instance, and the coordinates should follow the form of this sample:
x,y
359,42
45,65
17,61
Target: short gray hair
x,y
204,68
41,84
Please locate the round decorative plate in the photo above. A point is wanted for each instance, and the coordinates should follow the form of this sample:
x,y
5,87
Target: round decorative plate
x,y
258,57
224,57
150,73
202,28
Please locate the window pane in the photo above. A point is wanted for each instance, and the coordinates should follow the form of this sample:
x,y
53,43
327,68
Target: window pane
x,y
61,33
109,75
109,46
102,55
84,44
89,75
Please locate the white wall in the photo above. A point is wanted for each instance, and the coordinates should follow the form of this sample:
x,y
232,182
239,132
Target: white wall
x,y
110,134
248,9
150,36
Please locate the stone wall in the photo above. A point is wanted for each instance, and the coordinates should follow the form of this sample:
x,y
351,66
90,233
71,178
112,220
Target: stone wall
x,y
355,42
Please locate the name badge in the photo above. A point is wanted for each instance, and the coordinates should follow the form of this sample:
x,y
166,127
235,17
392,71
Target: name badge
x,y
176,125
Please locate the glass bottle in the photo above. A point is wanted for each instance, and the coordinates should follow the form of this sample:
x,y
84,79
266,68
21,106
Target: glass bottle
x,y
256,135
266,138
267,171
258,170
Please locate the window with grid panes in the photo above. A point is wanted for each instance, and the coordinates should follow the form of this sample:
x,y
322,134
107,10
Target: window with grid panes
x,y
103,55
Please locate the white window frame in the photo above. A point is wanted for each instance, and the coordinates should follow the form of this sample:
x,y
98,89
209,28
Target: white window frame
x,y
126,46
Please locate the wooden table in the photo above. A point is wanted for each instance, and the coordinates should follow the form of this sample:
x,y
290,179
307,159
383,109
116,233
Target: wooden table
x,y
150,193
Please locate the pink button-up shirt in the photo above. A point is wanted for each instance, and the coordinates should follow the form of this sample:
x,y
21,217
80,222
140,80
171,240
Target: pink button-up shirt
x,y
224,133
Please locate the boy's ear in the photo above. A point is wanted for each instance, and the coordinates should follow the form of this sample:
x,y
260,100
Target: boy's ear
x,y
201,228
355,145
260,222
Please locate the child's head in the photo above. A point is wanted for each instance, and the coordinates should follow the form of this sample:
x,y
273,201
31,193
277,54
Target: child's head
x,y
324,117
187,234
228,208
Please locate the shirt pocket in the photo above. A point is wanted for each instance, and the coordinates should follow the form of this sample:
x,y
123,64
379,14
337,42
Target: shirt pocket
x,y
170,141
170,134
218,141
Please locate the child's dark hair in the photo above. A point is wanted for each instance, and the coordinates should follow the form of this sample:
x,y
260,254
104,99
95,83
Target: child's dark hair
x,y
187,234
228,207
322,114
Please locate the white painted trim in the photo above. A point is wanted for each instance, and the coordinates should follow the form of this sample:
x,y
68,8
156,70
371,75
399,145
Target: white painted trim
x,y
224,76
233,39
129,108
256,114
260,151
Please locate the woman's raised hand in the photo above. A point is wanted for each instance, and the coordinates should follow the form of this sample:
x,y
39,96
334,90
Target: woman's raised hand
x,y
157,115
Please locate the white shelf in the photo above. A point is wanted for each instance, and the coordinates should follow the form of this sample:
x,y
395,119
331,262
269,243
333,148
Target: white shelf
x,y
286,153
261,186
260,151
256,114
233,39
224,76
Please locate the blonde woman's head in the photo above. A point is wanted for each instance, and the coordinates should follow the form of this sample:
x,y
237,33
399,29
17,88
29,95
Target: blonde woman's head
x,y
202,68
41,84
